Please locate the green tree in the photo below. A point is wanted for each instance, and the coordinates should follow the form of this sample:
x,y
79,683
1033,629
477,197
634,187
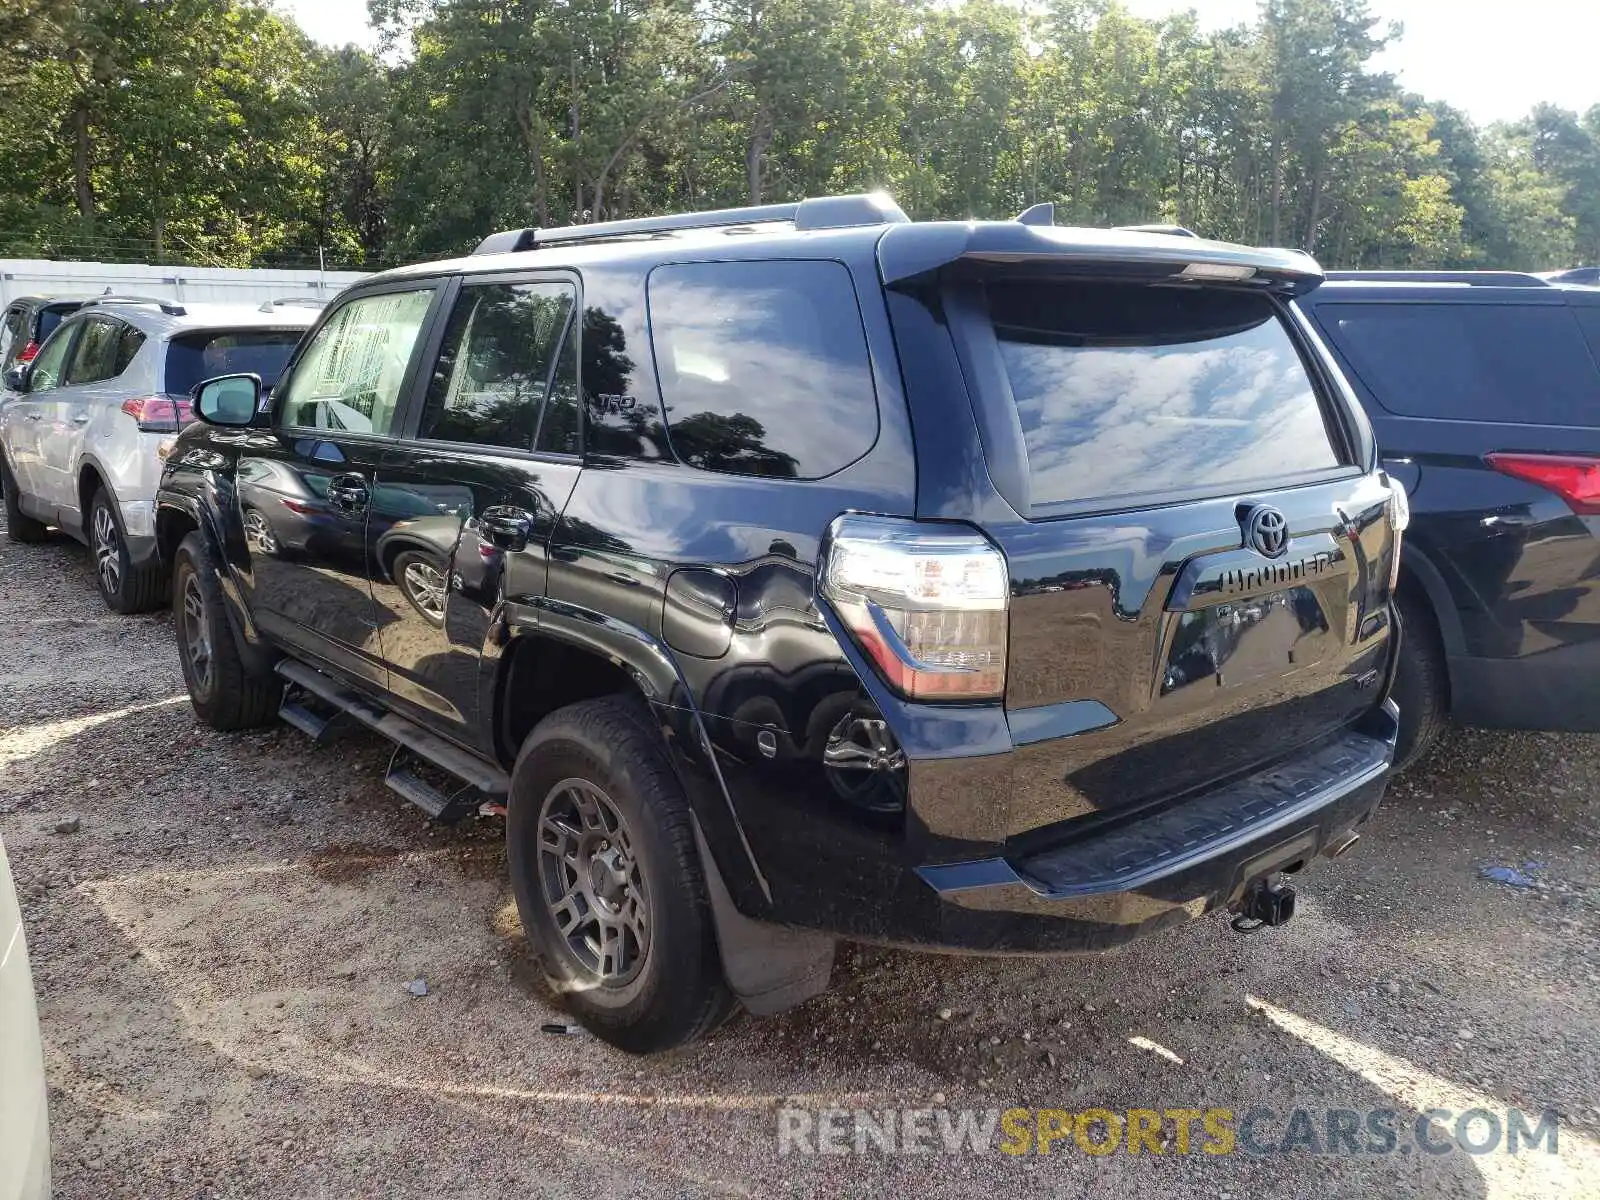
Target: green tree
x,y
212,129
173,124
1532,228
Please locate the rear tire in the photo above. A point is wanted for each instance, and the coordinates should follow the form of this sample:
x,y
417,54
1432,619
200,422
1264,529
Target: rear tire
x,y
608,879
126,587
1421,682
226,695
20,527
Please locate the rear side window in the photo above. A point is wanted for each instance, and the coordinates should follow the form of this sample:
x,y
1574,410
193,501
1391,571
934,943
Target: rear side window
x,y
559,430
763,367
128,345
1123,390
488,388
193,358
95,357
1522,363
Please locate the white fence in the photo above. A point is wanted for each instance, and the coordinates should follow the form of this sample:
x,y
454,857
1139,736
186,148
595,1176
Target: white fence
x,y
219,285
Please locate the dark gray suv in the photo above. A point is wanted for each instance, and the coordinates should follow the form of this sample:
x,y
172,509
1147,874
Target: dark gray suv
x,y
27,322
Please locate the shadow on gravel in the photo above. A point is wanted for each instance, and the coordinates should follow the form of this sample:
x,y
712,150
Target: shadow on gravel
x,y
294,970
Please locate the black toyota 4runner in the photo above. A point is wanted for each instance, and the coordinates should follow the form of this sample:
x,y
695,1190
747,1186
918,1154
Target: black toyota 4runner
x,y
800,572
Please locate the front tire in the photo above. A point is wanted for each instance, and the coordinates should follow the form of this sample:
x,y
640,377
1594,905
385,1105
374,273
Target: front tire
x,y
126,587
608,880
226,695
20,527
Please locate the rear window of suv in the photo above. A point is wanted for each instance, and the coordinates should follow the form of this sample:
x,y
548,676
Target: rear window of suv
x,y
193,358
49,318
1523,363
1126,390
763,367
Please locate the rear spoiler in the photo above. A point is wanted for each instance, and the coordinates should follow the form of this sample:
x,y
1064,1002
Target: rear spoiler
x,y
908,251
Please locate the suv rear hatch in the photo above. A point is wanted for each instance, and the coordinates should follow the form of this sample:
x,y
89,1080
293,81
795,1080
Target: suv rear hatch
x,y
196,355
1200,550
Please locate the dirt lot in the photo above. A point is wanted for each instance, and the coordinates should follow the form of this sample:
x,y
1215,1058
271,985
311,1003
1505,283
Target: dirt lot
x,y
222,949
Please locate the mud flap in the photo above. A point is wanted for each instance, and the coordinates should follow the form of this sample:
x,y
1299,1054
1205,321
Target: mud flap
x,y
771,968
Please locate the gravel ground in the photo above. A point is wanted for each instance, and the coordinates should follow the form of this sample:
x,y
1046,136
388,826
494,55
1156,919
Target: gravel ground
x,y
223,945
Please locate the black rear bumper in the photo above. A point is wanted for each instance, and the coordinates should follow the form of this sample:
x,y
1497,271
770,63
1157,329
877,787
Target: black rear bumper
x,y
1115,884
1558,689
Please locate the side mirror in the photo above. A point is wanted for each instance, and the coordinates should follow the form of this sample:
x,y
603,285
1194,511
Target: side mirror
x,y
230,401
16,377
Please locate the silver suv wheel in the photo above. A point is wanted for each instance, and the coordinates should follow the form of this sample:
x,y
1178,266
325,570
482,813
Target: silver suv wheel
x,y
107,550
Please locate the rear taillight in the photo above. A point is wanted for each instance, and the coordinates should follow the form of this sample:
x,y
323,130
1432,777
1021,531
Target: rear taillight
x,y
1573,477
1399,521
29,352
926,603
159,414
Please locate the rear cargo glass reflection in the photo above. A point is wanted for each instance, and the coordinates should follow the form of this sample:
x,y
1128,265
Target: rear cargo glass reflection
x,y
1124,390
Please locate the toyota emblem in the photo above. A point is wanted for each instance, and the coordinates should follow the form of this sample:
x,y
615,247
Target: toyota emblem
x,y
1266,531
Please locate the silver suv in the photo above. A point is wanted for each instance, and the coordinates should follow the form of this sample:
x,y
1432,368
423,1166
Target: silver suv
x,y
85,426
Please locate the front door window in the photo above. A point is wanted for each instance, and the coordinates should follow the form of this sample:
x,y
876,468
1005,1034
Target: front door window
x,y
48,366
349,378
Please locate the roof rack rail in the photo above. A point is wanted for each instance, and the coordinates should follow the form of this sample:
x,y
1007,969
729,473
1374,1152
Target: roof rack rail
x,y
816,212
1170,230
293,302
1459,278
171,307
1586,276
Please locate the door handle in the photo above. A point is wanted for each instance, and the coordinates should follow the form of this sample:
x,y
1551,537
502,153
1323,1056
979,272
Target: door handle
x,y
33,416
505,527
348,493
81,419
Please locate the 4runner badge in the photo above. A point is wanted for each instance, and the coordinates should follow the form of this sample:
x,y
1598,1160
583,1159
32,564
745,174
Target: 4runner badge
x,y
1247,581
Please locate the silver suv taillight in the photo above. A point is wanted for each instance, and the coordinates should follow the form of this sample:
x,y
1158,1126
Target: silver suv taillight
x,y
926,603
1400,519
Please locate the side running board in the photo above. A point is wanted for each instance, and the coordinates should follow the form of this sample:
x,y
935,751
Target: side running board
x,y
485,778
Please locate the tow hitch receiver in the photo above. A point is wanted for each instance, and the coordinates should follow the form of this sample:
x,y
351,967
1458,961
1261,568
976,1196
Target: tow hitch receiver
x,y
1264,904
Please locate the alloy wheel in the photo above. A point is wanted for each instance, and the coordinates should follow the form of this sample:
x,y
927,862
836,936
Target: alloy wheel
x,y
107,550
258,534
424,587
592,883
196,639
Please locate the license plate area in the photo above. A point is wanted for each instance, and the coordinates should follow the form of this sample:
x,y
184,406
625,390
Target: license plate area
x,y
1239,642
1236,618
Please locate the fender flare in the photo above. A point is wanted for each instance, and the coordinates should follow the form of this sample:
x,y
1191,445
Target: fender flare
x,y
1445,615
771,968
655,671
88,459
254,651
5,459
